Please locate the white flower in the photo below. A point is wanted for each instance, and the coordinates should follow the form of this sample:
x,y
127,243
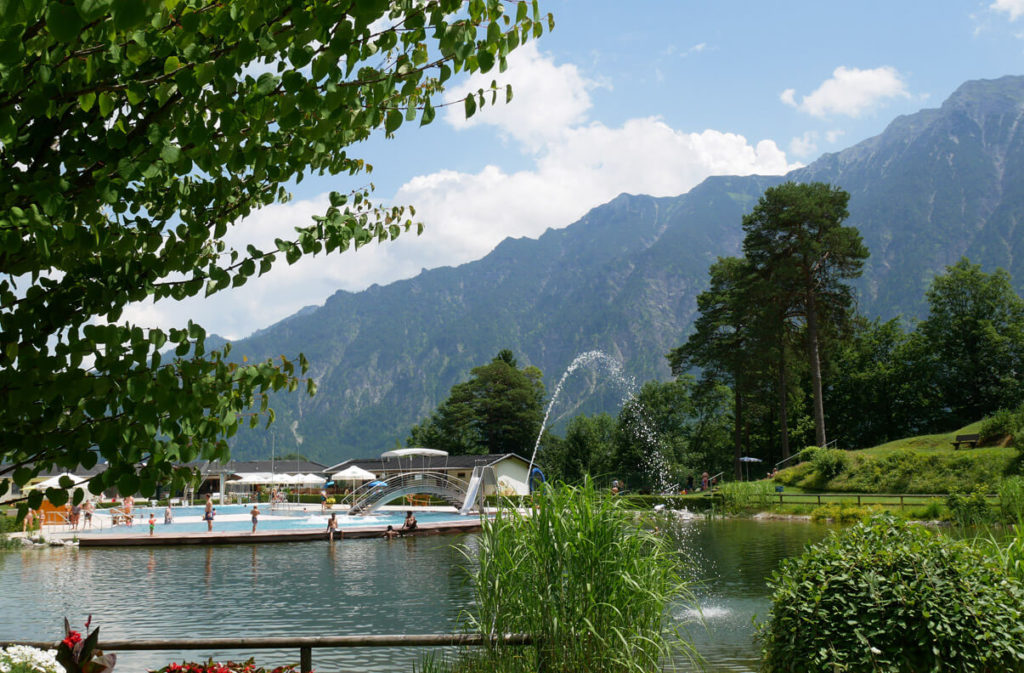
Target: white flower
x,y
29,659
875,650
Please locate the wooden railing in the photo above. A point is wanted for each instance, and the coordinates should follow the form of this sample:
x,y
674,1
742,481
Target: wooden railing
x,y
305,645
861,498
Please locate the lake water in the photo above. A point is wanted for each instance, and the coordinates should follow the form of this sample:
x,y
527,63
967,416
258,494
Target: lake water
x,y
372,586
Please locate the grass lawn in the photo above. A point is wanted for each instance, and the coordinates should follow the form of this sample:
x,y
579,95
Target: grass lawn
x,y
922,464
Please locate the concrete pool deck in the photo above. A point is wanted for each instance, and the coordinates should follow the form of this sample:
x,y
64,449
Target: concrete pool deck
x,y
113,538
261,537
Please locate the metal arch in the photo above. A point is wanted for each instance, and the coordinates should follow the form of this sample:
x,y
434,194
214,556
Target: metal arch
x,y
440,484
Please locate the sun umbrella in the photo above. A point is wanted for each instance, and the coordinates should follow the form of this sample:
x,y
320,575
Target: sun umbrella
x,y
353,473
54,482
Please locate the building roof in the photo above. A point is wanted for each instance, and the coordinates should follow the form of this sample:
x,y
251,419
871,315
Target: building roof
x,y
290,466
433,463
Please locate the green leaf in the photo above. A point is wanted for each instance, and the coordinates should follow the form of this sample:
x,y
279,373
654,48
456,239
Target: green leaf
x,y
63,21
428,114
137,54
392,121
106,104
170,153
485,60
470,105
171,63
86,101
128,13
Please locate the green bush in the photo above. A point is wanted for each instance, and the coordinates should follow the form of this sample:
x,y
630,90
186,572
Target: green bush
x,y
842,513
890,597
1011,499
997,426
970,509
829,463
579,576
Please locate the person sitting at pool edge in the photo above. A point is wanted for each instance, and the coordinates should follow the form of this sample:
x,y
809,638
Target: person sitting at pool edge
x,y
410,522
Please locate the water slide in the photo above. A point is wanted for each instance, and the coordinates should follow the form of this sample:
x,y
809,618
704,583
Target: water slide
x,y
471,491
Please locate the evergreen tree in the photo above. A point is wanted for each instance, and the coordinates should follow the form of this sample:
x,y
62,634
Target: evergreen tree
x,y
795,241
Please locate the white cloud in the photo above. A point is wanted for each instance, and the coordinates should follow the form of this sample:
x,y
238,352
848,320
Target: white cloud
x,y
574,167
546,98
850,92
834,135
805,145
1015,8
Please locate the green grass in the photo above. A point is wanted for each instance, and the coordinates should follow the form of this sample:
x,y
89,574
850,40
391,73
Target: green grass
x,y
922,464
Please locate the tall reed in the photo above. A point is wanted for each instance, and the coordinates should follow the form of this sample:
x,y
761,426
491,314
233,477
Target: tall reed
x,y
1011,498
740,496
578,575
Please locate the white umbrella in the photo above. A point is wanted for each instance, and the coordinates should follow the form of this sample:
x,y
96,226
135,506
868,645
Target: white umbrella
x,y
311,479
253,478
54,482
353,473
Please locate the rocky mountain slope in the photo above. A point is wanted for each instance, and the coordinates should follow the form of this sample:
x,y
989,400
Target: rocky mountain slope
x,y
934,186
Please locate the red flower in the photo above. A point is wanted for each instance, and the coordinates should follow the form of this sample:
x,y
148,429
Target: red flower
x,y
74,637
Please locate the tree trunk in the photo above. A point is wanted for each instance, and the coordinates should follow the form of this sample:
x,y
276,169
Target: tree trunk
x,y
783,406
738,435
815,361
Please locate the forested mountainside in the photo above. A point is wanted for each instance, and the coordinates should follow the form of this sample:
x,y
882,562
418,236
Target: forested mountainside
x,y
933,186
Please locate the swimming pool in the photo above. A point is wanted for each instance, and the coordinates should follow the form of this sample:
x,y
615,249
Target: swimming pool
x,y
237,518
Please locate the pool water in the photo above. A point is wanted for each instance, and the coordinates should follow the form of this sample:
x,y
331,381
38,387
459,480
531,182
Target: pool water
x,y
370,586
237,518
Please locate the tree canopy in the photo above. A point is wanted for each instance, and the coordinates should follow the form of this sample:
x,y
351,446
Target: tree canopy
x,y
498,410
133,135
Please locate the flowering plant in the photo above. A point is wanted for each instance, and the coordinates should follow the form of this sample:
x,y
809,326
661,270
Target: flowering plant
x,y
25,659
79,655
211,666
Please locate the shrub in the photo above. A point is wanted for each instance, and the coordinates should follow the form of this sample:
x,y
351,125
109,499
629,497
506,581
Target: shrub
x,y
891,597
579,576
842,513
1011,499
997,426
829,463
972,509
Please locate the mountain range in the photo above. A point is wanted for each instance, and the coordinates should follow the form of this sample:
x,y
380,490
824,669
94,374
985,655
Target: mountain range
x,y
934,186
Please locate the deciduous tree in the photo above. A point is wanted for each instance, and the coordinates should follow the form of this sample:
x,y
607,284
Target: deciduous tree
x,y
133,135
498,410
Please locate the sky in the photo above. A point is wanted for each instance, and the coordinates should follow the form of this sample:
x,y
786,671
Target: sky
x,y
644,97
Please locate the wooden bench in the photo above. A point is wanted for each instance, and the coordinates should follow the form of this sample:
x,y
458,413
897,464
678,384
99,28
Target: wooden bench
x,y
970,440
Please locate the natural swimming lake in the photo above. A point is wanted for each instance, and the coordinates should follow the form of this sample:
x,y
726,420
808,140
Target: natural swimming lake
x,y
371,586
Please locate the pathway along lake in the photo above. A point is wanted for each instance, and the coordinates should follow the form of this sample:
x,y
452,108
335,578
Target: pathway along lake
x,y
410,585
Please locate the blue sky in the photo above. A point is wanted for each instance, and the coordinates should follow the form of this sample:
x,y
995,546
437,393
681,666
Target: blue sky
x,y
650,100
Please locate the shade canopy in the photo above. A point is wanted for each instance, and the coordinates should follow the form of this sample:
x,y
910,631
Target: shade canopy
x,y
353,473
253,478
750,459
54,482
309,479
402,453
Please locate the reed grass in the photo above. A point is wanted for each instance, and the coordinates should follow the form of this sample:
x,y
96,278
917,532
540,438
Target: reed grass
x,y
577,574
742,496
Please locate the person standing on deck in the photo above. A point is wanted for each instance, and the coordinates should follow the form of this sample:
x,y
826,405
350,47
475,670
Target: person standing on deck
x,y
208,514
